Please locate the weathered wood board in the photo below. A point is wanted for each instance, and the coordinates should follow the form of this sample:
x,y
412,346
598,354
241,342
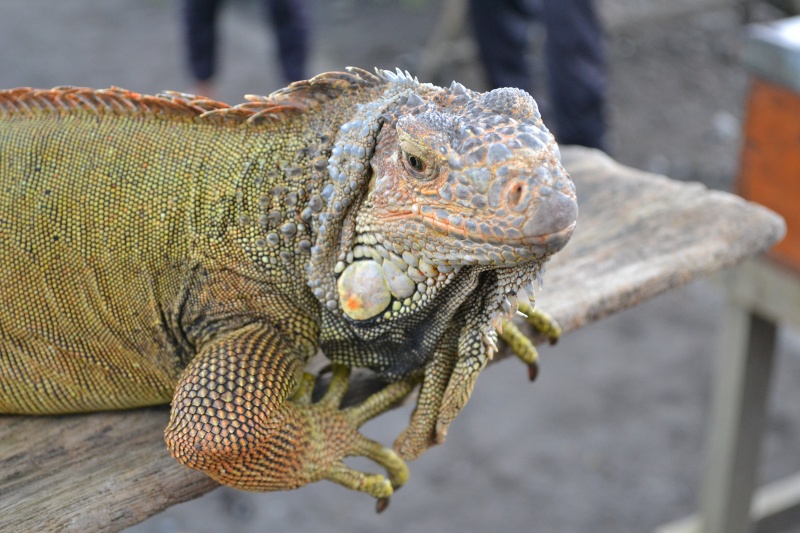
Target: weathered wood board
x,y
638,235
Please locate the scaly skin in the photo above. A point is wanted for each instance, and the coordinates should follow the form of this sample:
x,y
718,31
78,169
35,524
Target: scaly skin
x,y
174,249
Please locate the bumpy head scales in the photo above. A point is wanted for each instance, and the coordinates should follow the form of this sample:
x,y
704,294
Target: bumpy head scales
x,y
479,171
437,180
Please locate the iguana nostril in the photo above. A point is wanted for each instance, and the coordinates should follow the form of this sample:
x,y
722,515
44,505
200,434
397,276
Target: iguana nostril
x,y
515,192
553,214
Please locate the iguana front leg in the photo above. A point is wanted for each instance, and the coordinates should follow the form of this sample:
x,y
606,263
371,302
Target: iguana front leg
x,y
450,376
447,382
234,416
421,432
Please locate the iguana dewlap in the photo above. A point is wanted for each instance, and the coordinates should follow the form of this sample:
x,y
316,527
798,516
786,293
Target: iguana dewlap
x,y
171,248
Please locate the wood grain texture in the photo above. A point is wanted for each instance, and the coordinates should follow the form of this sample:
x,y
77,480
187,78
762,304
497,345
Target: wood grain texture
x,y
638,235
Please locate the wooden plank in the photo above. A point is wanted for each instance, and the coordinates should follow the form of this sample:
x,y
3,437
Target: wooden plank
x,y
638,235
99,472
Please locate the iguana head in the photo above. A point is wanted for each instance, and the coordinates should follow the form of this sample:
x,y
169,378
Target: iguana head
x,y
434,183
482,180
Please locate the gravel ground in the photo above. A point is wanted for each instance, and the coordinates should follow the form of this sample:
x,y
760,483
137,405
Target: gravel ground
x,y
610,438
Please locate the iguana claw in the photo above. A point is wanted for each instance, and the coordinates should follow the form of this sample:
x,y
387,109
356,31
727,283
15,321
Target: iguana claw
x,y
521,346
533,371
381,505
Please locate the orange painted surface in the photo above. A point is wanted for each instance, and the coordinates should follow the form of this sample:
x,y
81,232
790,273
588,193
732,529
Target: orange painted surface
x,y
770,164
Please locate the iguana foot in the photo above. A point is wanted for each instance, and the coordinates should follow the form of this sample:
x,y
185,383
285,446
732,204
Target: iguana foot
x,y
342,426
521,345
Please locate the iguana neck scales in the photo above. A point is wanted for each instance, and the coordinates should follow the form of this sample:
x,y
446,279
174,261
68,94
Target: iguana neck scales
x,y
173,248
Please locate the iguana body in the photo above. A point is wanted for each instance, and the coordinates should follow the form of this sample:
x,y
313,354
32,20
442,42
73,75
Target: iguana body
x,y
173,249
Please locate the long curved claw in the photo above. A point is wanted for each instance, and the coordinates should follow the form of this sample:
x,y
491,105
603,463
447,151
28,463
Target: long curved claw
x,y
381,505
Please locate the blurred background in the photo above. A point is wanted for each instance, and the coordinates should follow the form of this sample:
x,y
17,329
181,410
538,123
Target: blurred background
x,y
610,438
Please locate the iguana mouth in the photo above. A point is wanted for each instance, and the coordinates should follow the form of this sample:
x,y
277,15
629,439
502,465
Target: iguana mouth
x,y
376,283
524,247
538,223
547,221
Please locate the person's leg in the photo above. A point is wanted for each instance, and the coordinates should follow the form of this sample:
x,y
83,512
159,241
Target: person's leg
x,y
199,19
501,29
577,71
290,21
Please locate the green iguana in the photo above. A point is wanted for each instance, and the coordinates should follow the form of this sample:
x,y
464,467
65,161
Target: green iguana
x,y
171,248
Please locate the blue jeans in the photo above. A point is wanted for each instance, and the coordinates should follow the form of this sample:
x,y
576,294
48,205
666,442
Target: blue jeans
x,y
288,17
574,55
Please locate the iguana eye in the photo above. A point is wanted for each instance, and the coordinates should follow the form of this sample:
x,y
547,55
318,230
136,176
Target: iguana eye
x,y
416,165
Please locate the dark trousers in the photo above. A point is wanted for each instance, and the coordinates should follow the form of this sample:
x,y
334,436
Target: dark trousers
x,y
288,17
574,55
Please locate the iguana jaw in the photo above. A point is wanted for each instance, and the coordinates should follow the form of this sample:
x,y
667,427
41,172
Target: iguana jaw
x,y
401,260
524,247
406,330
483,248
375,284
